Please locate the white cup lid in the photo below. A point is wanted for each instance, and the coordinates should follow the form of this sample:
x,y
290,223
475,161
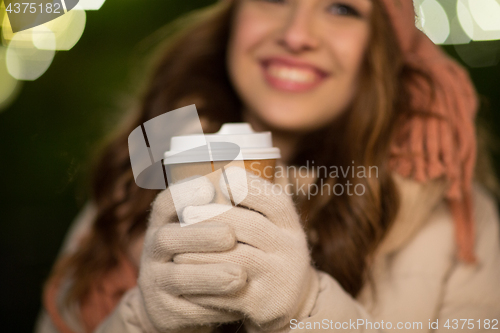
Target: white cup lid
x,y
253,145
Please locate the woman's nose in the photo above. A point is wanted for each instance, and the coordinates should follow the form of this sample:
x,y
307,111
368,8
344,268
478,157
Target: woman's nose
x,y
298,31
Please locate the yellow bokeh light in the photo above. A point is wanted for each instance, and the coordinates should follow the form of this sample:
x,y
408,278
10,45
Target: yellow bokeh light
x,y
23,37
67,30
7,33
2,11
9,87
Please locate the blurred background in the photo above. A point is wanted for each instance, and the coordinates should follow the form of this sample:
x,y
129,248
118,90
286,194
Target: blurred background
x,y
64,85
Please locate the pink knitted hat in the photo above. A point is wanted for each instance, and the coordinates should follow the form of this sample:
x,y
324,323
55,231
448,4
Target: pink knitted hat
x,y
441,142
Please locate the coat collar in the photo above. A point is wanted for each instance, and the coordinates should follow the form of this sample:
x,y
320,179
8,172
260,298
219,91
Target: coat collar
x,y
417,201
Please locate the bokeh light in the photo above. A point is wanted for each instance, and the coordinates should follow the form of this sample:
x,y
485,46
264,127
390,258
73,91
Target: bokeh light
x,y
91,4
465,19
30,52
434,21
24,60
486,13
9,87
444,21
67,30
7,33
471,26
478,13
460,21
2,11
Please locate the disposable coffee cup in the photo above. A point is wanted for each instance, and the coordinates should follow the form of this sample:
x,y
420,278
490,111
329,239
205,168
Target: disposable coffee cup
x,y
236,144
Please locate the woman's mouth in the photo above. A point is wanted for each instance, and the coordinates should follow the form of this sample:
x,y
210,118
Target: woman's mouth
x,y
292,76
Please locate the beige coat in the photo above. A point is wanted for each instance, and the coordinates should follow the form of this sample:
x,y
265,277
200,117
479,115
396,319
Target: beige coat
x,y
419,284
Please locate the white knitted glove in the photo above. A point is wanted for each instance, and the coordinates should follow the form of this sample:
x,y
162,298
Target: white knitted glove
x,y
163,282
272,248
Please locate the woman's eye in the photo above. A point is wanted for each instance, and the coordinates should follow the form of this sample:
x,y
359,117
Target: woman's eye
x,y
344,10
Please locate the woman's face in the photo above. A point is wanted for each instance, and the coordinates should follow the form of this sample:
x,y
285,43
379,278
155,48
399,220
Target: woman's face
x,y
296,63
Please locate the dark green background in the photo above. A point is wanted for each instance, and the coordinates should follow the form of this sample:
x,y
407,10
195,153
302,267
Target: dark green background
x,y
48,134
47,137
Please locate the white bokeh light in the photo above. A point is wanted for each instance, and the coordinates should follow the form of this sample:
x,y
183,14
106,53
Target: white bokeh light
x,y
67,30
28,63
91,4
435,21
465,19
479,33
486,13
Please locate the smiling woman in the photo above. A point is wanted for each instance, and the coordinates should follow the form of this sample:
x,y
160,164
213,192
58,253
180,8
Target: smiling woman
x,y
340,83
309,52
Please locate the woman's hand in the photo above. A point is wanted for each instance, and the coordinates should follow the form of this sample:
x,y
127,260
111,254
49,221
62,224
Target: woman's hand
x,y
163,283
272,249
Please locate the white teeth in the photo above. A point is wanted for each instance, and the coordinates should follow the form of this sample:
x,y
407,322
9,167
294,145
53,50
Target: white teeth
x,y
292,74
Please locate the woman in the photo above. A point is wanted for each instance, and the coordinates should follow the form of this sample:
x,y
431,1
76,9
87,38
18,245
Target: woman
x,y
337,82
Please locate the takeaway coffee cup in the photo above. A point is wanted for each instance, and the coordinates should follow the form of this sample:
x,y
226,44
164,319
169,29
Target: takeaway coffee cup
x,y
236,144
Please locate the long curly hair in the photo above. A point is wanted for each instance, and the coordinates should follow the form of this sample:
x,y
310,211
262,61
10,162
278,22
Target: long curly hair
x,y
191,68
